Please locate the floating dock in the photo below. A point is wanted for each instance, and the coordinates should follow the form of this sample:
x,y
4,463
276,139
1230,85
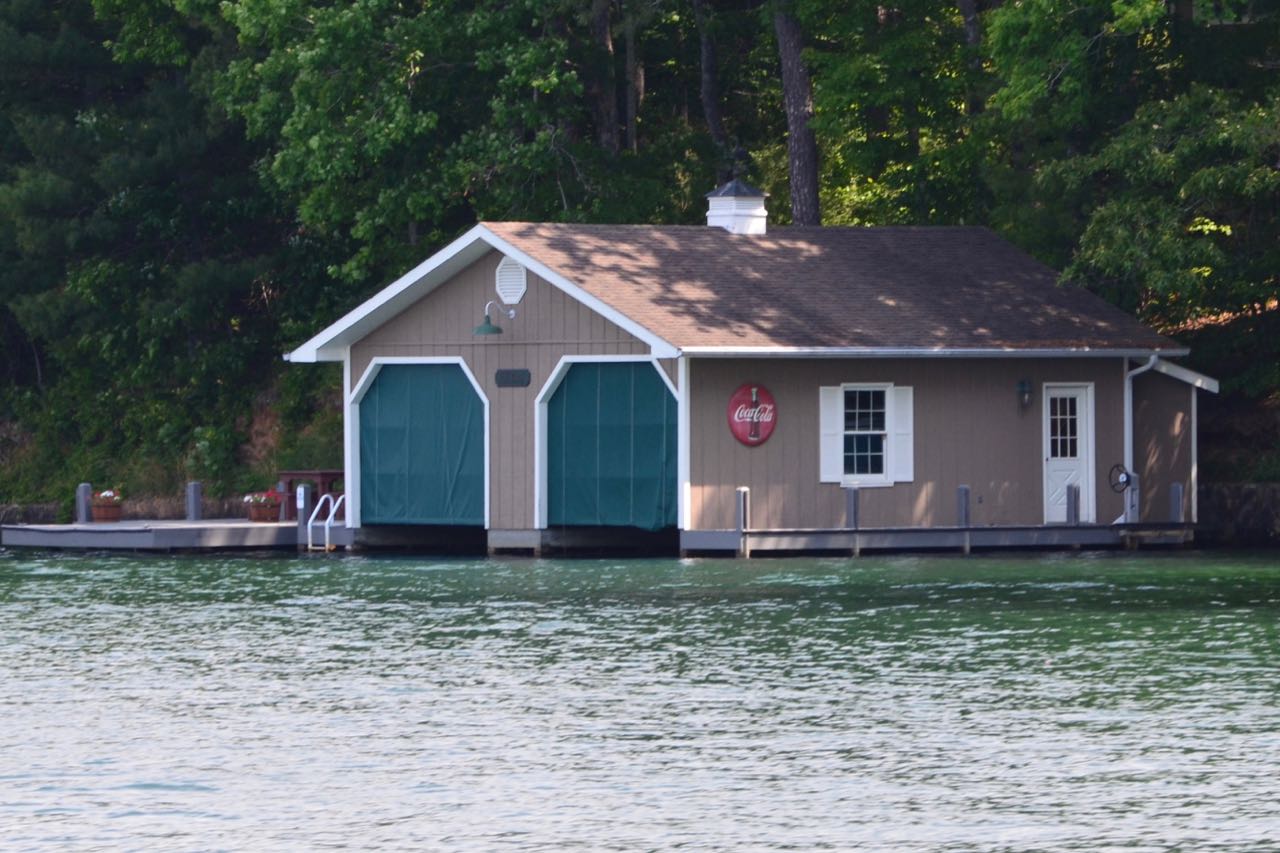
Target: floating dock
x,y
216,534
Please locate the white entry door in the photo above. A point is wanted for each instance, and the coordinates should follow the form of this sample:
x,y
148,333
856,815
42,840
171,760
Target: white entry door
x,y
1068,450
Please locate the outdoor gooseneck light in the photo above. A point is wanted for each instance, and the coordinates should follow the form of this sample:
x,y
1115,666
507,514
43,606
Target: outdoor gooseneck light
x,y
1023,388
488,327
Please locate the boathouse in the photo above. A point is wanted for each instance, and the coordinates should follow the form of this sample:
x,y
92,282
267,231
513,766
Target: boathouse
x,y
744,387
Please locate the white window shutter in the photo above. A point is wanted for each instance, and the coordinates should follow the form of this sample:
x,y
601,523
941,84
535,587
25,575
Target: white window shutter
x,y
902,442
830,434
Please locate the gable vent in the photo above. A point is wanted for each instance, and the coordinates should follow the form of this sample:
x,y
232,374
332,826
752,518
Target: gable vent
x,y
512,281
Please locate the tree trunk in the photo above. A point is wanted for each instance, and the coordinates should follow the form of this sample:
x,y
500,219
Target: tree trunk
x,y
603,88
973,41
635,85
797,99
709,89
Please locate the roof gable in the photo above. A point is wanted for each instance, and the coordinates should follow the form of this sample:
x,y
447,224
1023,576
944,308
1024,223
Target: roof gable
x,y
331,343
897,290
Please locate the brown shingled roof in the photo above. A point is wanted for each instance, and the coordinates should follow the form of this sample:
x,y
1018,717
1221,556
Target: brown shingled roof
x,y
898,287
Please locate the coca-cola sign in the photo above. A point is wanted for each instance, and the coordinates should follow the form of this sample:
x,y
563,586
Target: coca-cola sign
x,y
752,414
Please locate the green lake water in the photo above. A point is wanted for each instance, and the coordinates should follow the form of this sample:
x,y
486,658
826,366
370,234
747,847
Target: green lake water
x,y
1064,702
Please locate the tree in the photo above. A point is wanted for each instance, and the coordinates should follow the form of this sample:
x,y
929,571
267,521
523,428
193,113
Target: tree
x,y
140,255
797,101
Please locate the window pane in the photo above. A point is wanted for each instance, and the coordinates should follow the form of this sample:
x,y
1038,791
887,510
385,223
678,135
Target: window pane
x,y
875,454
864,423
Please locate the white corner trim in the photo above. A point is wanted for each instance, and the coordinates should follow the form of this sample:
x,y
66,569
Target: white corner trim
x,y
1195,457
684,483
362,388
350,446
1184,374
549,387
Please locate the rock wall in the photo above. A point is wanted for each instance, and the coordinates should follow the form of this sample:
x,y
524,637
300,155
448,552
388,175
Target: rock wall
x,y
29,513
1239,514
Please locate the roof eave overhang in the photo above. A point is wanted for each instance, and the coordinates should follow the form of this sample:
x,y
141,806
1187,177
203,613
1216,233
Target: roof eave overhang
x,y
1187,375
927,352
332,343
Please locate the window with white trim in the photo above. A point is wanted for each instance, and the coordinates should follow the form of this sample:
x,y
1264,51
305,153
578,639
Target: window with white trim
x,y
866,434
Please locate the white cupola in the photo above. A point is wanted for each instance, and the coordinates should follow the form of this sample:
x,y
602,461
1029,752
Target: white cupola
x,y
737,207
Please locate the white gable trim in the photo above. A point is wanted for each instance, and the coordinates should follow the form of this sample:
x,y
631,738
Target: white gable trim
x,y
1177,371
332,343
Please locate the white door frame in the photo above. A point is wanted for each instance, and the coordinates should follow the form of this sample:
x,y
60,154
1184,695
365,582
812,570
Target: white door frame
x,y
1086,448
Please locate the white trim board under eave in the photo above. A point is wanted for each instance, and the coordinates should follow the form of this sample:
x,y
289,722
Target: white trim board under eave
x,y
331,342
918,352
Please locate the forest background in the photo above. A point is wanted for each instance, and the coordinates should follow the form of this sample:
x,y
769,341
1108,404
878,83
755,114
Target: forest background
x,y
188,188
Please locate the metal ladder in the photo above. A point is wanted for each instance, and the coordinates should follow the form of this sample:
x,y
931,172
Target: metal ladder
x,y
334,506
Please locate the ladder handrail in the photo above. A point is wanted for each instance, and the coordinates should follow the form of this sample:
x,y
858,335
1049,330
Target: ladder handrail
x,y
335,505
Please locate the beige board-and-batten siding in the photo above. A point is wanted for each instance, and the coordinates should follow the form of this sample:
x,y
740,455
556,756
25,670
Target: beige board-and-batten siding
x,y
548,326
969,430
1163,451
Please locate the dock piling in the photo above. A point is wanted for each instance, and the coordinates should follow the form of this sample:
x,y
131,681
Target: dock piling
x,y
195,501
305,501
84,494
851,517
962,515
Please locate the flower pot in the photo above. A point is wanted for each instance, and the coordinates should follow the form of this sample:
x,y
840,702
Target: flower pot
x,y
264,512
107,511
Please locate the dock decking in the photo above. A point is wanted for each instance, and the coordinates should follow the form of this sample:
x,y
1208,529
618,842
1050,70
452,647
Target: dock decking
x,y
161,535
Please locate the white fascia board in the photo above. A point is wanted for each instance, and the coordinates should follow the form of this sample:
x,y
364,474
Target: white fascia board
x,y
331,343
1177,371
659,347
918,352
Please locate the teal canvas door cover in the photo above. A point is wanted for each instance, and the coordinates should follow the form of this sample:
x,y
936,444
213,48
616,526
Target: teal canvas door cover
x,y
611,448
422,447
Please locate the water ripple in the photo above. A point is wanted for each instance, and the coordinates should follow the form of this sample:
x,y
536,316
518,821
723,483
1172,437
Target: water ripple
x,y
1060,703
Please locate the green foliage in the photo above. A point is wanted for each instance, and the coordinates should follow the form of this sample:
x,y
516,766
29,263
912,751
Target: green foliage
x,y
190,187
1189,225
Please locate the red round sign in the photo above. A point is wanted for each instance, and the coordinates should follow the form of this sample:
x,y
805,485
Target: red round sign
x,y
752,414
